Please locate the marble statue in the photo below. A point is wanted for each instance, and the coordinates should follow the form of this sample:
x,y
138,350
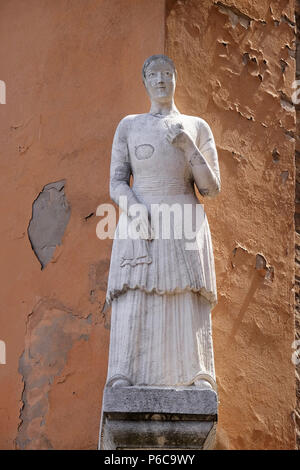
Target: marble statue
x,y
161,289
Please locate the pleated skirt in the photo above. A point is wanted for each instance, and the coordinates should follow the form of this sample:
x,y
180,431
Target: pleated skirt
x,y
162,265
163,340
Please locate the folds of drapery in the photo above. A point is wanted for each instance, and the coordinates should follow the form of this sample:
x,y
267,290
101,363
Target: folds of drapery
x,y
163,266
160,339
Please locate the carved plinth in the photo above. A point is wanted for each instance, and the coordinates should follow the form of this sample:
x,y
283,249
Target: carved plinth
x,y
158,418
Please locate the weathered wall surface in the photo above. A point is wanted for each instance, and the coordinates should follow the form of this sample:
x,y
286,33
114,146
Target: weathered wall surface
x,y
236,65
72,71
297,225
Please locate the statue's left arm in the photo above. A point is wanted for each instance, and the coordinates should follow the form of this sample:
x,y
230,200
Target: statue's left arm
x,y
203,159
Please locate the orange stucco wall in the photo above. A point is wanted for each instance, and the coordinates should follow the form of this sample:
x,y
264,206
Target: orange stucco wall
x,y
237,73
72,71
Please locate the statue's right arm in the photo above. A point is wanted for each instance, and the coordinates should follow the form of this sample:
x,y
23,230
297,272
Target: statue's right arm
x,y
120,170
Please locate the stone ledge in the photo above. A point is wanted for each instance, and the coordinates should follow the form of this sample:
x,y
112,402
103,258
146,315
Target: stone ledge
x,y
158,418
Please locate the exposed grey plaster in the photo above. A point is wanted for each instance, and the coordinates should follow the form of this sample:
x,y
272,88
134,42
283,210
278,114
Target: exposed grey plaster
x,y
50,216
51,331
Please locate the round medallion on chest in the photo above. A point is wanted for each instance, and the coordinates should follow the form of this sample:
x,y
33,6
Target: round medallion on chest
x,y
144,151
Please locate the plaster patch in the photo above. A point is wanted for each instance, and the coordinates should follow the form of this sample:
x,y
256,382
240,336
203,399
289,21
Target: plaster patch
x,y
51,331
50,216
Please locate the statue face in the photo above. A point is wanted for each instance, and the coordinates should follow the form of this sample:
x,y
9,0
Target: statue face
x,y
160,81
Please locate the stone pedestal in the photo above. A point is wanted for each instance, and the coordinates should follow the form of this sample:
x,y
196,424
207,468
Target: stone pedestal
x,y
158,418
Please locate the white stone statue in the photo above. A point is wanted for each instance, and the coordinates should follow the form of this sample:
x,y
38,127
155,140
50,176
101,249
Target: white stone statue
x,y
162,288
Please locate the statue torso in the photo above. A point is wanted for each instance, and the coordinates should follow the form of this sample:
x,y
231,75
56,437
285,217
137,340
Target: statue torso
x,y
158,167
150,152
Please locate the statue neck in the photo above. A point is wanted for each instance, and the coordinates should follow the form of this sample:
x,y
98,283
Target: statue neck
x,y
163,109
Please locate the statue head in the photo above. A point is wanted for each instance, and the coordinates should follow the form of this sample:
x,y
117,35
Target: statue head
x,y
159,77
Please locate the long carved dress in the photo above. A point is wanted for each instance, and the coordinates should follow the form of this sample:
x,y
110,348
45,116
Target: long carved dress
x,y
162,291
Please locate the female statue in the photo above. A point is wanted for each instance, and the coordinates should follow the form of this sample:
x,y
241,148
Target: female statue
x,y
161,288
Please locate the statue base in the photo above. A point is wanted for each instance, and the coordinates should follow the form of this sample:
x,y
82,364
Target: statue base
x,y
137,417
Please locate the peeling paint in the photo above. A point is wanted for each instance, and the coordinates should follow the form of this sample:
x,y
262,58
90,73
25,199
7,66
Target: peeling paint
x,y
51,331
297,234
236,16
50,216
284,176
238,75
275,155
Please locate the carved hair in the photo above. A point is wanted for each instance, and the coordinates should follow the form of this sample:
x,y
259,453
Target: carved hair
x,y
153,58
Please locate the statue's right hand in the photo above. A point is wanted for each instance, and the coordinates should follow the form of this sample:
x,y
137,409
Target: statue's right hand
x,y
140,227
179,137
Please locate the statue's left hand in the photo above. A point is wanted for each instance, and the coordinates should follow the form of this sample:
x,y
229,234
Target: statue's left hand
x,y
179,137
